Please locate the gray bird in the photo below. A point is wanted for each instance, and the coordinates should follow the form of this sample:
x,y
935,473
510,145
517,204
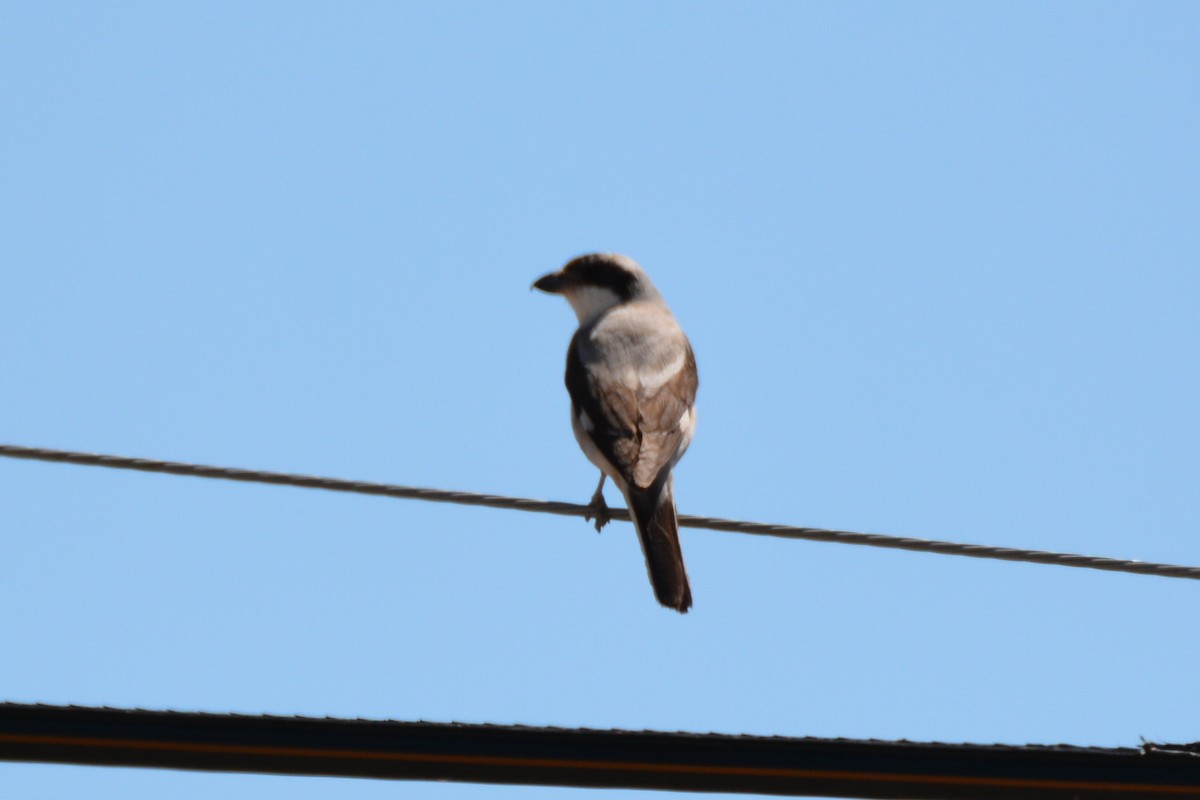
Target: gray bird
x,y
632,379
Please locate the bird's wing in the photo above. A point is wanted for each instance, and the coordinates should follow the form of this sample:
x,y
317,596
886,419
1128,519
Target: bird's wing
x,y
633,395
665,421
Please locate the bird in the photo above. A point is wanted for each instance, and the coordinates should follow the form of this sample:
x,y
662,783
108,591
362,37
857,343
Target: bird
x,y
631,376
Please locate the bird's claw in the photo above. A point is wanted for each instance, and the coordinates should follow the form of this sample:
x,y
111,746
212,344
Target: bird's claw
x,y
598,510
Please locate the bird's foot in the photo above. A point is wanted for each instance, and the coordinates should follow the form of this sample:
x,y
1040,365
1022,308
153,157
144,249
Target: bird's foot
x,y
598,510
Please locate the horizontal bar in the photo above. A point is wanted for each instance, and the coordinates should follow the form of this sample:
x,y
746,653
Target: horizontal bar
x,y
589,758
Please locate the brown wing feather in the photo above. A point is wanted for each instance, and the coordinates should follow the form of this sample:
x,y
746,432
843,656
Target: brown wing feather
x,y
659,417
637,430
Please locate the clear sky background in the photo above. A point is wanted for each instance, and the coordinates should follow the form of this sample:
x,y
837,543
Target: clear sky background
x,y
938,262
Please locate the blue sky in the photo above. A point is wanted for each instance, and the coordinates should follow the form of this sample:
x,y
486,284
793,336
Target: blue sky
x,y
938,263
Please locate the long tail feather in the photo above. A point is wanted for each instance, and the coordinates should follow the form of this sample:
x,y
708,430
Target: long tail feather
x,y
654,516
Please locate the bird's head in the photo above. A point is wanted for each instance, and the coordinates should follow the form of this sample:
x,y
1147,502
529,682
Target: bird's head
x,y
596,282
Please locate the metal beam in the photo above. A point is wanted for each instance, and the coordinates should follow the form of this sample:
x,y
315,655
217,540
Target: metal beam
x,y
589,758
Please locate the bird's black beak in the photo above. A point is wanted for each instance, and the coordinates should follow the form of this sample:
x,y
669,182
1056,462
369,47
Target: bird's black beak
x,y
551,283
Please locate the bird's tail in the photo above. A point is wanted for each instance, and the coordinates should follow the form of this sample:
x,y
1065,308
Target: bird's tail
x,y
653,513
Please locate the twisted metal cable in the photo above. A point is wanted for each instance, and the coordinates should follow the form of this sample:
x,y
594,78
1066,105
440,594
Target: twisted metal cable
x,y
576,510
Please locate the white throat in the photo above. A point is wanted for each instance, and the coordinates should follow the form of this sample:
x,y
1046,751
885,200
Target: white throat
x,y
590,302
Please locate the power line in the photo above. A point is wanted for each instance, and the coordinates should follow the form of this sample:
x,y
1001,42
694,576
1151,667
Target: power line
x,y
778,765
576,510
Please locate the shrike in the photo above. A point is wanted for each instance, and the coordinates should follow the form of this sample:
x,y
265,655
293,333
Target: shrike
x,y
632,380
